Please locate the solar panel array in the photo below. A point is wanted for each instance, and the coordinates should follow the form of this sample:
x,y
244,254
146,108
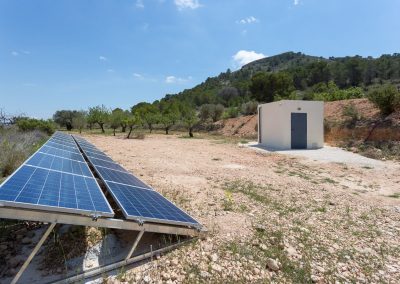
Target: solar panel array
x,y
137,200
56,178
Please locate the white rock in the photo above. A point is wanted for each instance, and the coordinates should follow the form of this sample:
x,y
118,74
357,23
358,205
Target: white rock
x,y
147,279
205,274
272,264
214,257
216,267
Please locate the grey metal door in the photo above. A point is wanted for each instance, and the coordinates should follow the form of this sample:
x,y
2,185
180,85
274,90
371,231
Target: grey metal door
x,y
299,130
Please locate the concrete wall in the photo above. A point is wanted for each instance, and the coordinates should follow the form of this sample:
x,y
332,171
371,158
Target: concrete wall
x,y
275,123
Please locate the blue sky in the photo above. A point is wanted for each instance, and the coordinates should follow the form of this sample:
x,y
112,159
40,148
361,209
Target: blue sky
x,y
74,54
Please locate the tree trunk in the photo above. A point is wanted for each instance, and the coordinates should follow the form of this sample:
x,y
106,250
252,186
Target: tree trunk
x,y
80,130
123,130
102,127
114,131
151,128
190,131
166,130
130,131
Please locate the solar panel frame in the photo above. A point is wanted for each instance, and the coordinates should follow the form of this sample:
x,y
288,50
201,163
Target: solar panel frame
x,y
33,206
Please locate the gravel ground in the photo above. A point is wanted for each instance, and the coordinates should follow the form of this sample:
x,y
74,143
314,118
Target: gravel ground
x,y
271,217
328,154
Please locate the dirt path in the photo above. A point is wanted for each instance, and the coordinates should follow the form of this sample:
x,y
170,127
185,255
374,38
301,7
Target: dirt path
x,y
320,221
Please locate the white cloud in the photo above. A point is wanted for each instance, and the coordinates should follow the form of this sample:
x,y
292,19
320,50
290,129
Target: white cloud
x,y
138,76
14,53
296,2
176,80
139,4
187,4
110,70
242,57
102,58
248,20
27,52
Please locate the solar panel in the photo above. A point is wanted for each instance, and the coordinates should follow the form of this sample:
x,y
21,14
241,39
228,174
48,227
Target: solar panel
x,y
61,153
120,177
105,164
59,164
55,180
148,205
137,200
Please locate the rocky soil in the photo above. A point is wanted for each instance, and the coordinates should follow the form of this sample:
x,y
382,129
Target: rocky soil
x,y
270,217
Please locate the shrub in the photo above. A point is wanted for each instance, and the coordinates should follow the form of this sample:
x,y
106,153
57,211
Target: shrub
x,y
30,124
16,146
386,98
231,112
249,108
210,111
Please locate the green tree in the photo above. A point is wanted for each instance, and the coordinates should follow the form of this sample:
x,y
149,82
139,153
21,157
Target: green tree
x,y
169,115
64,118
148,113
265,86
115,119
189,118
386,98
131,121
79,121
99,115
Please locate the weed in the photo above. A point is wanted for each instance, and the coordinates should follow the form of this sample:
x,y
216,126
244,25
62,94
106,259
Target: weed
x,y
228,201
394,195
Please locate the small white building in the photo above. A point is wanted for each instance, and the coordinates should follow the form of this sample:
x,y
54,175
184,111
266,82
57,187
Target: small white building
x,y
291,124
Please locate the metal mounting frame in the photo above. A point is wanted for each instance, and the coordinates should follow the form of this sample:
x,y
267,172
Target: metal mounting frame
x,y
33,253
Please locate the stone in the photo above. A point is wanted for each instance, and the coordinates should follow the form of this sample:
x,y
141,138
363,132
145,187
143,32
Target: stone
x,y
174,262
26,241
205,274
272,264
165,276
263,247
314,278
213,257
216,267
147,279
256,271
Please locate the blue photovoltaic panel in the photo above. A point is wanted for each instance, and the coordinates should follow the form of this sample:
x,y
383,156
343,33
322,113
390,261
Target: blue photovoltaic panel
x,y
101,157
148,205
33,187
59,164
105,164
93,151
62,142
120,177
62,146
137,200
61,153
56,178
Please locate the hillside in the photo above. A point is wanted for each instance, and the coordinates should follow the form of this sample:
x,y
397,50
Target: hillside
x,y
305,72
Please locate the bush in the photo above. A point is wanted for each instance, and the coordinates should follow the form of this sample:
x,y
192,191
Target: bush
x,y
210,111
30,124
16,146
386,98
231,112
249,108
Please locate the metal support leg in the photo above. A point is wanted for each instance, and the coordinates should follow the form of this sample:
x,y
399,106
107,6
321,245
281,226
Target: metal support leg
x,y
33,253
139,236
